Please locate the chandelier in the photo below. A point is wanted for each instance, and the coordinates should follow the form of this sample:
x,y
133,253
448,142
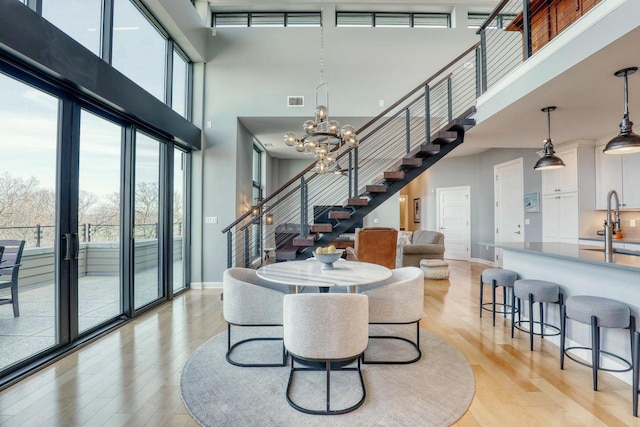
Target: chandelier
x,y
321,135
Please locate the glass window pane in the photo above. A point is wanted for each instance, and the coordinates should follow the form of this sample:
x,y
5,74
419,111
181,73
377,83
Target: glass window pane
x,y
231,20
475,20
147,195
80,19
392,20
179,248
432,20
179,85
267,19
303,20
349,19
138,48
29,123
99,207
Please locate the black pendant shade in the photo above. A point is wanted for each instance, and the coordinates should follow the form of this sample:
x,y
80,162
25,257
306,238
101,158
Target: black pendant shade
x,y
626,142
549,160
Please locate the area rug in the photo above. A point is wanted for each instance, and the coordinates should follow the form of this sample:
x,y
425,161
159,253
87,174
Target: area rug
x,y
435,391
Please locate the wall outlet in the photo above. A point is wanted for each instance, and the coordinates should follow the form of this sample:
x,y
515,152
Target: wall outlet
x,y
632,223
527,221
375,220
211,220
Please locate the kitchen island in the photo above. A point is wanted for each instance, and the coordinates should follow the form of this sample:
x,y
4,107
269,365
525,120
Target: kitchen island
x,y
581,270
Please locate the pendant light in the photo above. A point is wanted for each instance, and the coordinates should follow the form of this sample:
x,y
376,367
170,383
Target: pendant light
x,y
549,160
626,142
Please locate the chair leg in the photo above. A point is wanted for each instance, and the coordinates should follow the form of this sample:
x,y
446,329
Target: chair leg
x,y
14,300
481,291
595,349
513,312
636,372
328,368
541,305
563,332
531,322
493,303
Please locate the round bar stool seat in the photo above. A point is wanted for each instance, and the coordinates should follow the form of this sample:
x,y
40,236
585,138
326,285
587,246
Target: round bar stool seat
x,y
539,291
598,312
497,277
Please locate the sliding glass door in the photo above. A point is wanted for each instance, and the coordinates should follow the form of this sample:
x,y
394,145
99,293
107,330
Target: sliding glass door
x,y
146,229
99,219
28,194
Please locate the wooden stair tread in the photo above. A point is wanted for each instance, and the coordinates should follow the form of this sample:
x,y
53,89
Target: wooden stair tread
x,y
411,162
339,214
444,137
321,228
358,201
394,175
376,188
310,240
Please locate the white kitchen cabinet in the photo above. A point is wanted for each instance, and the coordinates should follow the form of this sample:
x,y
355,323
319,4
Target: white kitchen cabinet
x,y
620,173
563,180
560,218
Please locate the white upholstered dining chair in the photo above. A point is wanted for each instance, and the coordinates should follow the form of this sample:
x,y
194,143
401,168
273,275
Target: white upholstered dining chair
x,y
249,301
398,300
325,332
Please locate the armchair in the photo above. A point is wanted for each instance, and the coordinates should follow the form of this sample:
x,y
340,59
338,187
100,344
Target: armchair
x,y
424,244
9,271
376,245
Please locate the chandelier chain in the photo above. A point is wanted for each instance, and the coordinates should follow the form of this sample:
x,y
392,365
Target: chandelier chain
x,y
321,42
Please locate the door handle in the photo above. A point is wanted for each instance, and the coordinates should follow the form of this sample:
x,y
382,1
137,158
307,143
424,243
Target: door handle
x,y
516,232
67,255
442,228
76,253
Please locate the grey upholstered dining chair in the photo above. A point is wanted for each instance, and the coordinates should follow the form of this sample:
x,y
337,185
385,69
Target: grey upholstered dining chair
x,y
325,332
251,302
9,269
398,300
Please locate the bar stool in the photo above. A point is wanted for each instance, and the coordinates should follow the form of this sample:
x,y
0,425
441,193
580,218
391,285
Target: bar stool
x,y
599,313
497,277
636,372
539,291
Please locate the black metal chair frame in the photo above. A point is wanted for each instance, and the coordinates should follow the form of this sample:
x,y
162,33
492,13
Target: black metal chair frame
x,y
415,344
595,347
493,304
230,348
516,324
636,372
13,281
325,365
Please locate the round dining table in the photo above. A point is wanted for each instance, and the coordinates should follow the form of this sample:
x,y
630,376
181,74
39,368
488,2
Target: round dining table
x,y
310,273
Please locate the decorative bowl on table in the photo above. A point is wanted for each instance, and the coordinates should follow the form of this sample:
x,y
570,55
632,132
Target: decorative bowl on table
x,y
327,260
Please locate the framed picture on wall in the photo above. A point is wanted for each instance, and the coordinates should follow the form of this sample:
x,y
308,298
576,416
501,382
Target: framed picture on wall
x,y
416,210
532,202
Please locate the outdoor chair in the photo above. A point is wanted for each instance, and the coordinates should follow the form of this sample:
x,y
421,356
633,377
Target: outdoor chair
x,y
9,267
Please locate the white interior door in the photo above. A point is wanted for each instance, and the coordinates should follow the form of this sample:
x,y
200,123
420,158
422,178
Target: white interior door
x,y
453,221
509,203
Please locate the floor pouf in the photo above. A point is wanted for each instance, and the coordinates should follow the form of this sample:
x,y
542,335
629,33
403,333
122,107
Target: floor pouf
x,y
434,268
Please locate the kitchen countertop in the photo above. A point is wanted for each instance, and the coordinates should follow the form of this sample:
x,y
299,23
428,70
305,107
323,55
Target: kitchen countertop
x,y
578,253
629,239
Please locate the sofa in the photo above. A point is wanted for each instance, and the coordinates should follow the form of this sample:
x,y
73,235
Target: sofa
x,y
417,245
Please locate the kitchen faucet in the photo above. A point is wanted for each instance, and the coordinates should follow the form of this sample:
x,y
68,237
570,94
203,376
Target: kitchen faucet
x,y
611,226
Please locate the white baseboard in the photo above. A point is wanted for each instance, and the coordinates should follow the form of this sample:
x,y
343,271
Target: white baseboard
x,y
206,285
483,261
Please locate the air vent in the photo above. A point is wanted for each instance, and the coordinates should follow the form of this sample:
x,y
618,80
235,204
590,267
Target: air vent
x,y
295,101
267,145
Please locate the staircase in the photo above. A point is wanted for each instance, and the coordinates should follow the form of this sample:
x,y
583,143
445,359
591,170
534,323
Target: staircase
x,y
395,147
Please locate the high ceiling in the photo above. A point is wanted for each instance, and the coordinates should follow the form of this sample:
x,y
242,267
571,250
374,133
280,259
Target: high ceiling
x,y
588,96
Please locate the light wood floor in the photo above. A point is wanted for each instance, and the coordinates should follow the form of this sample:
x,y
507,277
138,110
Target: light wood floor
x,y
132,376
